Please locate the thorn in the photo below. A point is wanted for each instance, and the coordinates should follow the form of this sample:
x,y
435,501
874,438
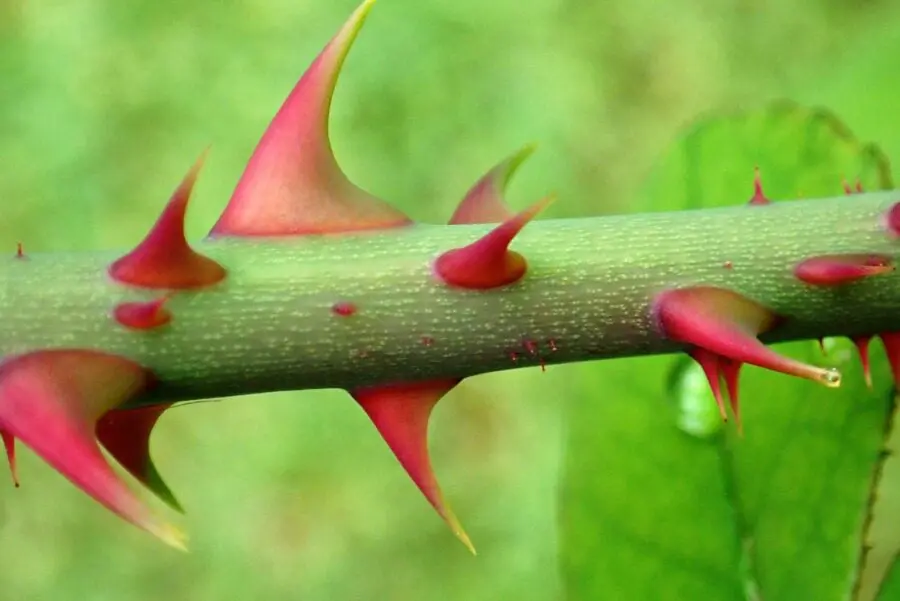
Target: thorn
x,y
125,433
859,186
892,220
484,202
292,184
146,315
20,251
731,371
488,262
847,189
759,197
164,259
891,342
401,413
9,442
727,324
835,270
862,346
709,362
51,401
822,348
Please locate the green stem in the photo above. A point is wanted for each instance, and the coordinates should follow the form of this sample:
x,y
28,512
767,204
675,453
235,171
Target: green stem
x,y
588,295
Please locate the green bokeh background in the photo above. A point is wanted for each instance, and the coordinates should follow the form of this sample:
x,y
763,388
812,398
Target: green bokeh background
x,y
104,105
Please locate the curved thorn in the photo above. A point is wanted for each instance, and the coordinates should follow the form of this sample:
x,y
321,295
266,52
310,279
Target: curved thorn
x,y
726,323
401,412
484,202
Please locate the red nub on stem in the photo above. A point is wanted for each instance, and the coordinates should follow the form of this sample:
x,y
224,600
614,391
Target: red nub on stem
x,y
147,315
344,309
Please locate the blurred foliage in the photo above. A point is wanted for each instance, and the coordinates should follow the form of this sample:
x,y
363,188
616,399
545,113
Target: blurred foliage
x,y
104,105
698,512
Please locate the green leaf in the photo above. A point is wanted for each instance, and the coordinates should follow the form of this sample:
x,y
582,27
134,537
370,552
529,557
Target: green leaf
x,y
658,501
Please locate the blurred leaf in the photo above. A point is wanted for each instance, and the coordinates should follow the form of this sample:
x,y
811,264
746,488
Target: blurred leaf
x,y
882,540
659,504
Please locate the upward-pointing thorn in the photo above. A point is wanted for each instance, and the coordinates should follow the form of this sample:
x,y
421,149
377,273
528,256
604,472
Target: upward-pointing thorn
x,y
292,183
165,259
484,201
401,413
488,262
759,197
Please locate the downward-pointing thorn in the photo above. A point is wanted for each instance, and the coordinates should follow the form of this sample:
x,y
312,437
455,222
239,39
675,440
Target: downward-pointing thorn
x,y
401,412
9,442
862,346
709,362
731,371
727,324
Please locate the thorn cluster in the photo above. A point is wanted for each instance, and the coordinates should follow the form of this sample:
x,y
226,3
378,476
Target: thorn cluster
x,y
65,403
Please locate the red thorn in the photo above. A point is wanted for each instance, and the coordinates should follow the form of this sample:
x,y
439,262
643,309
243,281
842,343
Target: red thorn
x,y
20,252
484,202
727,324
9,442
835,270
709,362
552,344
892,220
125,433
530,347
731,371
488,262
343,308
847,189
859,186
401,413
759,197
293,184
146,315
891,342
514,356
51,401
862,346
164,259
